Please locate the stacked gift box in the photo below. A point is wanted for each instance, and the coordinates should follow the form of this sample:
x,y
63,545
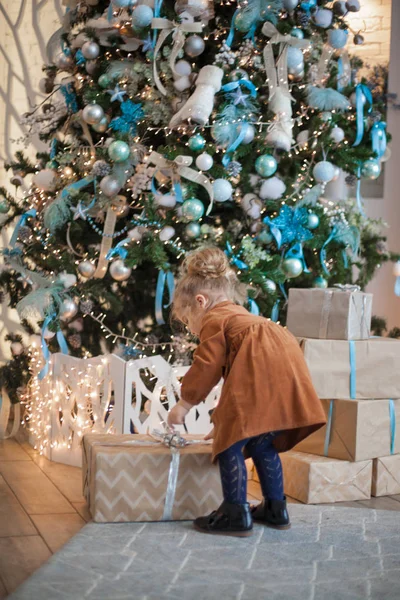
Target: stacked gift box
x,y
357,378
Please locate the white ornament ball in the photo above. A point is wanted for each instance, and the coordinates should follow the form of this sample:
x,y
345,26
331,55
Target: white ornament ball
x,y
67,279
166,233
109,186
47,334
323,171
92,114
86,268
16,348
119,271
222,190
45,180
295,59
136,234
68,309
249,134
302,138
251,205
182,84
166,200
396,269
183,68
204,161
323,17
337,135
90,50
272,189
194,46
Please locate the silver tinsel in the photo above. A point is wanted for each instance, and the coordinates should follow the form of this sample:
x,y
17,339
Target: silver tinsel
x,y
234,168
75,340
351,179
86,306
101,168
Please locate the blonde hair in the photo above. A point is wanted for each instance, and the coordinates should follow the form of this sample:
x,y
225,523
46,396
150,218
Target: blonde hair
x,y
206,270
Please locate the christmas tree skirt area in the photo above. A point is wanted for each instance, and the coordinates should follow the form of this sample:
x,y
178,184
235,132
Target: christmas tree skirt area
x,y
331,552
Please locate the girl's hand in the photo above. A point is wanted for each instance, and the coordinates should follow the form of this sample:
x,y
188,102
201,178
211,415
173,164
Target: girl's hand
x,y
210,436
176,415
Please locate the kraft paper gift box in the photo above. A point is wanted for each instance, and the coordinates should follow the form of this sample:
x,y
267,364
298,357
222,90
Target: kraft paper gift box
x,y
131,478
318,480
333,313
356,430
354,369
386,476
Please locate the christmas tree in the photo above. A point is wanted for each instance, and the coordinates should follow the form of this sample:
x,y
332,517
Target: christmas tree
x,y
171,125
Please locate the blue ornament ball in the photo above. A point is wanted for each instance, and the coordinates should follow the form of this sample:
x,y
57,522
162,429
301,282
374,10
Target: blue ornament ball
x,y
118,151
292,267
312,221
104,81
142,16
320,282
297,32
266,165
222,190
371,169
193,230
323,171
196,142
337,38
192,209
295,59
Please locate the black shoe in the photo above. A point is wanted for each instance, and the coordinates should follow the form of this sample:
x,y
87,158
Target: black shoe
x,y
272,513
229,519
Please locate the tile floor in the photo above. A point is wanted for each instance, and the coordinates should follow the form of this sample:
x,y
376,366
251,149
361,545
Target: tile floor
x,y
42,507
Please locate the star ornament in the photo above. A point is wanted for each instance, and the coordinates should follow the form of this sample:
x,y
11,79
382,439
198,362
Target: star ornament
x,y
291,223
79,212
239,98
117,94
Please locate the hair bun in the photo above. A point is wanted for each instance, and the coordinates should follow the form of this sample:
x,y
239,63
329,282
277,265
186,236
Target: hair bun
x,y
209,263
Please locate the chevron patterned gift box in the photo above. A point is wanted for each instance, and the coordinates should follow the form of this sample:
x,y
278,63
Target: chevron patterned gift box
x,y
131,478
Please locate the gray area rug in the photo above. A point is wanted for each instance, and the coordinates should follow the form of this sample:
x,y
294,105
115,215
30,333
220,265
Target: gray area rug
x,y
331,553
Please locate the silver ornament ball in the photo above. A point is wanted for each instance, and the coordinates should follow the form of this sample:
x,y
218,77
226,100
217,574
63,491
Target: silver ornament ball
x,y
92,114
193,230
119,271
90,50
270,285
90,66
292,267
68,309
109,186
86,268
64,61
194,46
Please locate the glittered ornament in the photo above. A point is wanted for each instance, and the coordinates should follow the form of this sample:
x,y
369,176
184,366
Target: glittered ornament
x,y
292,267
118,151
297,32
196,143
222,190
323,171
86,268
102,126
119,271
194,46
272,189
45,180
166,200
142,16
4,205
90,50
166,233
266,165
64,61
68,309
192,230
110,186
104,81
337,135
204,162
136,234
86,306
312,221
237,74
320,282
192,209
371,169
101,168
92,113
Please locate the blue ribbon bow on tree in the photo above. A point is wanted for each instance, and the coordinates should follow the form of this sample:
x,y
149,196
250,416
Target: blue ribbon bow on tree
x,y
234,258
361,91
165,278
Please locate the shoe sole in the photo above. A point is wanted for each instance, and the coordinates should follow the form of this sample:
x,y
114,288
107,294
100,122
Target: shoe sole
x,y
228,533
283,527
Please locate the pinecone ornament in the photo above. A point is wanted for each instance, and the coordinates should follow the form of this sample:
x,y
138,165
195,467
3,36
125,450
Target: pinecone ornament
x,y
86,306
351,179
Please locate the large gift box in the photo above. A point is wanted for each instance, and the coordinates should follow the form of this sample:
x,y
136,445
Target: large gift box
x,y
317,479
333,313
137,478
354,369
356,430
386,476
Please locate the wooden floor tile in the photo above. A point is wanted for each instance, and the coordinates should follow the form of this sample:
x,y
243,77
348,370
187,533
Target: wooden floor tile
x,y
11,450
36,493
83,510
66,478
13,518
57,530
3,591
28,449
19,558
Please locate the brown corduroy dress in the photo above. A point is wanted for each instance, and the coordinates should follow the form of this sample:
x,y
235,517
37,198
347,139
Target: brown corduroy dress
x,y
267,385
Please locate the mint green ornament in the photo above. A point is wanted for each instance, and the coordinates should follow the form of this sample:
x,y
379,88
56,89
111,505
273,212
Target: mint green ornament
x,y
312,221
192,209
292,267
193,230
196,142
371,169
320,282
266,165
4,205
265,237
118,151
104,81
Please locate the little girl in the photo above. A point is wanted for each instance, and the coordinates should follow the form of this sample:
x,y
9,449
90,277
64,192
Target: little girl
x,y
267,404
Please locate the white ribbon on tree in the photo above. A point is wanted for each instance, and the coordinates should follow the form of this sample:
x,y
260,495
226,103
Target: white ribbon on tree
x,y
327,52
106,243
178,31
277,75
180,167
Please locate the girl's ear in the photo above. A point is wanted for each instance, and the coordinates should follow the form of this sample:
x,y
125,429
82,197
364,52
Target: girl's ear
x,y
202,301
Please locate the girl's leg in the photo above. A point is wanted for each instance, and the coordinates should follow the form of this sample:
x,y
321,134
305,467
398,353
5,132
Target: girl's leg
x,y
268,464
233,473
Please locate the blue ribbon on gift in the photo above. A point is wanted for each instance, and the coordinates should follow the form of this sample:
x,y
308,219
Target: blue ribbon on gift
x,y
296,251
392,417
164,278
118,250
352,357
45,349
378,137
234,259
21,221
275,311
328,428
361,90
254,308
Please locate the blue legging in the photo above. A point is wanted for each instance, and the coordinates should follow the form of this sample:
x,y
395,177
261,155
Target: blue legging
x,y
266,460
